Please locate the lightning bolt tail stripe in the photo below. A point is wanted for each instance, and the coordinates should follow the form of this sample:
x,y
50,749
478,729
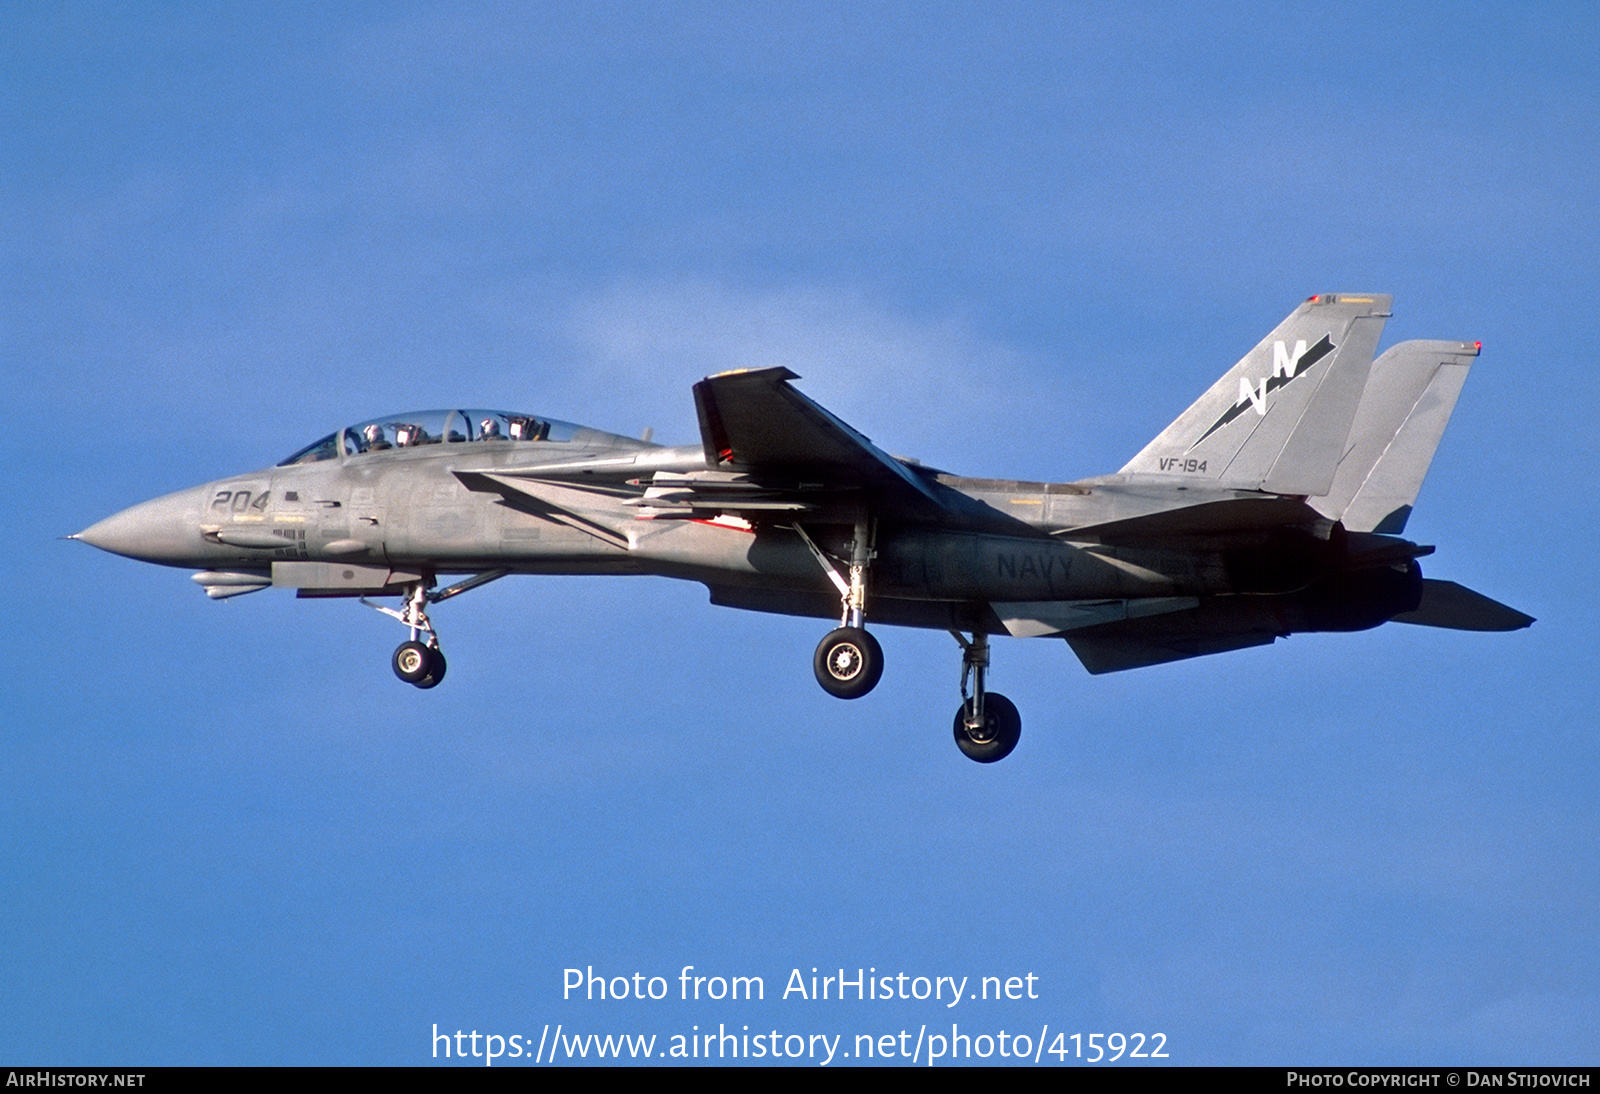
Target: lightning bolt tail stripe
x,y
1273,383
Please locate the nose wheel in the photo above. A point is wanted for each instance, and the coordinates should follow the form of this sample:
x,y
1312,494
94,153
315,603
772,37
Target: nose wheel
x,y
419,664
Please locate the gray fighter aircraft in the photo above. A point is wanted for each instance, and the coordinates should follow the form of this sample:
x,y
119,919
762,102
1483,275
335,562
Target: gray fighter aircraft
x,y
1272,506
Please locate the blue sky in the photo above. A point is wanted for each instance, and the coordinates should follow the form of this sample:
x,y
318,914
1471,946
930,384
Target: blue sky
x,y
1014,242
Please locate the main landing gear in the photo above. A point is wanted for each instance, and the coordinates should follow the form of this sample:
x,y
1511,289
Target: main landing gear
x,y
420,662
987,726
849,662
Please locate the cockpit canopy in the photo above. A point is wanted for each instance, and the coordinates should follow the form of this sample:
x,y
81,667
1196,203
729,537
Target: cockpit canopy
x,y
416,429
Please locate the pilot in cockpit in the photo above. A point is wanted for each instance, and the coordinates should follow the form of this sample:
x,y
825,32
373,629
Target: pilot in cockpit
x,y
374,438
529,429
490,430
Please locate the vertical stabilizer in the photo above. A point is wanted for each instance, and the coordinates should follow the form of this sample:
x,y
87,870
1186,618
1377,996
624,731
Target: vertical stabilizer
x,y
1407,404
1278,420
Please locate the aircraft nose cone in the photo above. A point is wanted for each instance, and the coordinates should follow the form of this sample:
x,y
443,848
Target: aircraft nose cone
x,y
163,530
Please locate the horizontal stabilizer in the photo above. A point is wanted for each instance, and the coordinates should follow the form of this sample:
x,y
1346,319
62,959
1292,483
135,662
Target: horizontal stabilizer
x,y
1458,608
1137,643
1347,601
1038,619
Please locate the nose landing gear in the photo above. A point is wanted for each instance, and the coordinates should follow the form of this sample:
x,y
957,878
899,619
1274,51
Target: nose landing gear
x,y
420,662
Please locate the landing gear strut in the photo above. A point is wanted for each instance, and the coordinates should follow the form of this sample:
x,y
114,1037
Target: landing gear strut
x,y
987,726
848,662
420,662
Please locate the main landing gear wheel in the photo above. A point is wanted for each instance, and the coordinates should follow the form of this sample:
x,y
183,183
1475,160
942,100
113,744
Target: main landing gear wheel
x,y
419,664
998,734
848,663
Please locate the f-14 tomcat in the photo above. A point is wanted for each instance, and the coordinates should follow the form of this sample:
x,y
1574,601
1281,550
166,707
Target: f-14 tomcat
x,y
1273,505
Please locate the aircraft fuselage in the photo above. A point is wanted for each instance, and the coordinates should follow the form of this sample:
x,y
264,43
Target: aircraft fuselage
x,y
1269,507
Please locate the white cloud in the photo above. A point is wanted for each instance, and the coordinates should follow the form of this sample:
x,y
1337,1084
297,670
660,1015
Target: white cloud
x,y
933,388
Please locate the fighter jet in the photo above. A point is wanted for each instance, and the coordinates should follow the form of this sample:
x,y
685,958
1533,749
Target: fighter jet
x,y
1272,506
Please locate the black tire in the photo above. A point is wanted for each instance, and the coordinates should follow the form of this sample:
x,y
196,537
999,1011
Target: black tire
x,y
848,663
436,670
412,661
1001,731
